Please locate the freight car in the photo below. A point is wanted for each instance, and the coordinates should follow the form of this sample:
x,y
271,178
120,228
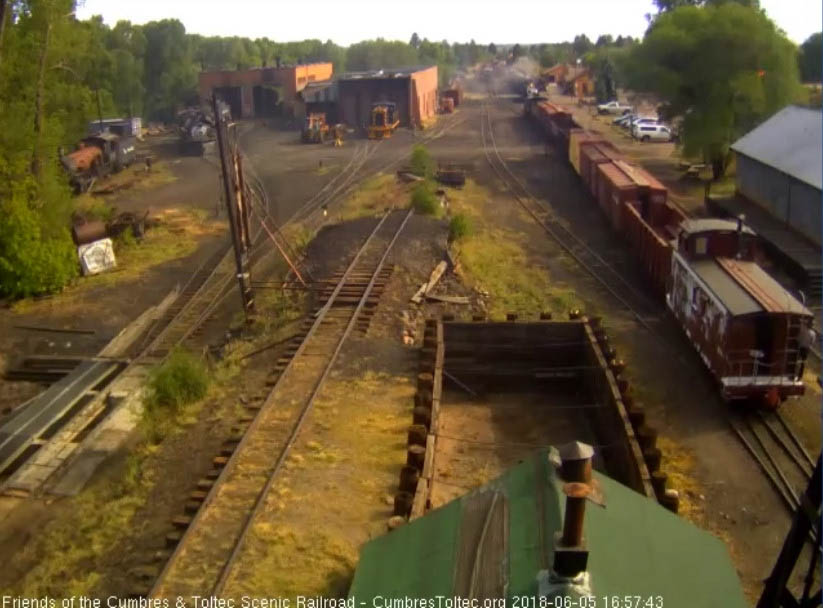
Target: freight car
x,y
747,329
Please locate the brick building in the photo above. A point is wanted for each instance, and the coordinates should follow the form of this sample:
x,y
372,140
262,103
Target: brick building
x,y
265,91
414,90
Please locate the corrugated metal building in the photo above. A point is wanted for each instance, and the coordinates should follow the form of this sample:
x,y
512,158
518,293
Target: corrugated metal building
x,y
502,540
413,90
780,167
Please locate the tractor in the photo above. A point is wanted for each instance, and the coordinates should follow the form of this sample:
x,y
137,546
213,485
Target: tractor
x,y
315,129
383,120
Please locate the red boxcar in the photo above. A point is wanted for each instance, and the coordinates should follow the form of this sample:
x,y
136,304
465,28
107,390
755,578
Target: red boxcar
x,y
591,155
614,188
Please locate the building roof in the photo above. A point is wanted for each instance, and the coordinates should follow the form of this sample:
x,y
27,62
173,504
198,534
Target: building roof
x,y
745,288
789,141
496,540
385,73
693,226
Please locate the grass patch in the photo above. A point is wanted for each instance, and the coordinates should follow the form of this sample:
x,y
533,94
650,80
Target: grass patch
x,y
373,196
93,208
494,260
422,163
424,200
180,380
460,227
69,553
301,547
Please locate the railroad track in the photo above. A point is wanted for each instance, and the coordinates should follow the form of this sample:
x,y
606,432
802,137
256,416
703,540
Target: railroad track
x,y
593,263
210,540
777,450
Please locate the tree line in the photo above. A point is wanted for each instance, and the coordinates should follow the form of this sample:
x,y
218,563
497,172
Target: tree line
x,y
719,63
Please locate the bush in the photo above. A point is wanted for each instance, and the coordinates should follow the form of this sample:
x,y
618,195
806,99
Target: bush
x,y
460,227
421,162
33,259
180,380
424,200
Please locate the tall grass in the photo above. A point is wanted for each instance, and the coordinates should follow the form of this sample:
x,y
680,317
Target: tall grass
x,y
178,381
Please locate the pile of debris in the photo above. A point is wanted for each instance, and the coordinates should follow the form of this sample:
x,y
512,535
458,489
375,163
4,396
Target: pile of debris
x,y
93,238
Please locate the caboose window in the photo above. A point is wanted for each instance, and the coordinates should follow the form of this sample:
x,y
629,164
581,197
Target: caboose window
x,y
700,245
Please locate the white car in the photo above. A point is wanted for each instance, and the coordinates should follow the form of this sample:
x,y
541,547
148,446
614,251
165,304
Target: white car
x,y
645,120
652,132
613,107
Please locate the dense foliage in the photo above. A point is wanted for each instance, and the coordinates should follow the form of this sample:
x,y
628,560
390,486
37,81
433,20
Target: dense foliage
x,y
703,57
722,68
811,58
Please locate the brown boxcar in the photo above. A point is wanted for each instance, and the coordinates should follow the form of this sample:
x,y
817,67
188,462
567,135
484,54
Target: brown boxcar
x,y
614,189
578,138
591,155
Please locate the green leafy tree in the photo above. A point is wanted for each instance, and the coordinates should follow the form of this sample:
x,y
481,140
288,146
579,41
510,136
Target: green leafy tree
x,y
415,40
670,5
492,49
723,68
581,45
811,58
517,52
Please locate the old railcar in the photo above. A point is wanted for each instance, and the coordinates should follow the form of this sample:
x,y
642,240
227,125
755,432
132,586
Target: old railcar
x,y
745,326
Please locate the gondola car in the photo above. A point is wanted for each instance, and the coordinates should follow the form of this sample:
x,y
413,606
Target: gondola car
x,y
744,325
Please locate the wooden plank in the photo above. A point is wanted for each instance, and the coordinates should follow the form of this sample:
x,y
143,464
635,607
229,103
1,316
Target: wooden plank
x,y
417,298
449,299
435,276
421,497
428,459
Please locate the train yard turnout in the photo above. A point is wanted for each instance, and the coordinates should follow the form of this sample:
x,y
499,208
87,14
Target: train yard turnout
x,y
390,319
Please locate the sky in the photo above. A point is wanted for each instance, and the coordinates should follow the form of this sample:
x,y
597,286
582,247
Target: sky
x,y
348,21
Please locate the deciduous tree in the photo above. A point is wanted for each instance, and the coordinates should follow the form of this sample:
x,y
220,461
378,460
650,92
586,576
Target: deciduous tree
x,y
722,68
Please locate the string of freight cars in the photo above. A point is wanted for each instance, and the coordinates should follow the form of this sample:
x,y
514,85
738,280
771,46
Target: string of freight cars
x,y
745,326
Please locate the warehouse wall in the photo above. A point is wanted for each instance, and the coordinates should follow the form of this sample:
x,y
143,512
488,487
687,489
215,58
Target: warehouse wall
x,y
292,79
789,200
424,94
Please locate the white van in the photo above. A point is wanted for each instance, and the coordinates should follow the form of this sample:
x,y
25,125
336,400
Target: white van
x,y
651,132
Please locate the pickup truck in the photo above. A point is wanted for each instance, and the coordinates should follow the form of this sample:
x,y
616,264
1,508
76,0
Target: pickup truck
x,y
613,107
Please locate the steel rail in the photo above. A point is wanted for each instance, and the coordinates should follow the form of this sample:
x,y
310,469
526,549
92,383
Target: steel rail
x,y
230,465
564,245
227,569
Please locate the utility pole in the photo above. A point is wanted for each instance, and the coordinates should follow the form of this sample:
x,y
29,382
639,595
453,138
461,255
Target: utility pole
x,y
806,523
237,206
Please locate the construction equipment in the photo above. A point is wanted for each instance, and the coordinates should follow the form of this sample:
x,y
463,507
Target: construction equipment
x,y
315,128
446,105
338,135
97,156
384,120
195,126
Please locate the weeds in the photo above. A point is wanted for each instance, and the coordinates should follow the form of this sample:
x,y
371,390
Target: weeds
x,y
422,164
424,200
178,381
460,227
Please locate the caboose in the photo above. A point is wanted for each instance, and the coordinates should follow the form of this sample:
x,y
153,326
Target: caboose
x,y
746,327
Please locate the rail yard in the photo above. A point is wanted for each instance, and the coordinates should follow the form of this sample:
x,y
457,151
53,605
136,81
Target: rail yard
x,y
449,337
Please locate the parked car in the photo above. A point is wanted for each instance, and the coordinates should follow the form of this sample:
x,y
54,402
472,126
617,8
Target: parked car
x,y
624,121
652,132
646,120
613,107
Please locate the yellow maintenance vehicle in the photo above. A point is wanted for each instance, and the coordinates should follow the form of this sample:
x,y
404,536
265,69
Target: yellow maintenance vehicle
x,y
315,129
337,132
383,120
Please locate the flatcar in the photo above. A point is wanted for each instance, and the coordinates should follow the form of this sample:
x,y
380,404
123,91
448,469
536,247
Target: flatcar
x,y
747,328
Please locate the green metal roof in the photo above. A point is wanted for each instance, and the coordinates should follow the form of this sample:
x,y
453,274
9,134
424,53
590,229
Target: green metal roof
x,y
636,547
